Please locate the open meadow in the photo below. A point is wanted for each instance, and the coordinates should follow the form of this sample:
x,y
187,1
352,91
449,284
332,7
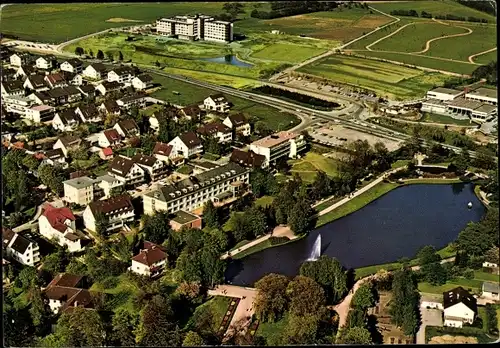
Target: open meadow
x,y
486,58
308,166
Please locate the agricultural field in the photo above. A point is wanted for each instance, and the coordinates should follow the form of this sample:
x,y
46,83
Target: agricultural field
x,y
281,52
486,58
383,78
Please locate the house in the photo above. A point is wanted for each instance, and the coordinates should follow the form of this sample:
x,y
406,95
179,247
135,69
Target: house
x,y
106,87
142,82
46,63
217,130
126,170
186,145
79,190
12,88
18,59
66,120
59,224
109,107
491,291
217,102
108,138
95,71
107,183
122,74
162,151
24,71
239,123
184,219
63,95
459,307
106,153
40,113
67,143
127,128
17,104
167,113
20,247
116,211
247,159
192,112
36,83
155,167
67,291
73,65
127,102
55,157
72,78
150,261
41,98
55,80
88,113
88,91
278,145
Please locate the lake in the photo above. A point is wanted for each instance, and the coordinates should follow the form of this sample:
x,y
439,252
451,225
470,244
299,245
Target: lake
x,y
229,59
393,226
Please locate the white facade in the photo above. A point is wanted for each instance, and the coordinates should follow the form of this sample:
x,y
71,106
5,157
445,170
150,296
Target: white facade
x,y
59,125
51,233
218,104
17,104
218,31
30,256
115,220
18,60
243,129
195,28
67,66
89,71
135,175
121,78
139,85
179,148
37,113
484,95
444,94
145,270
458,314
43,63
107,183
490,264
276,146
79,191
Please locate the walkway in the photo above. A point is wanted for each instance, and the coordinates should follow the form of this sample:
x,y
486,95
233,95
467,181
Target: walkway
x,y
471,58
243,315
428,43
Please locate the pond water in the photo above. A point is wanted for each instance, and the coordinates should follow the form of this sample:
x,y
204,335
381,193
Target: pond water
x,y
393,226
228,59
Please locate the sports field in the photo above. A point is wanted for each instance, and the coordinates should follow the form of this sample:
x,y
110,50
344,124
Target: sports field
x,y
383,78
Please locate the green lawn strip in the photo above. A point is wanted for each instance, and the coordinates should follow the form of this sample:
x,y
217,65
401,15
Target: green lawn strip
x,y
431,181
434,118
369,270
446,252
431,331
487,277
185,169
239,245
264,201
328,203
473,284
272,331
217,306
486,58
399,164
264,245
481,313
210,156
123,293
356,203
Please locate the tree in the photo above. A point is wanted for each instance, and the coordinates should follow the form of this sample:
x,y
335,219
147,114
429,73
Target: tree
x,y
321,186
428,254
301,330
56,262
120,56
192,339
434,273
39,309
329,273
405,304
124,325
212,266
91,53
190,290
257,221
356,318
300,217
51,177
31,163
493,255
189,266
211,215
306,296
363,298
80,328
271,300
101,224
110,55
28,277
156,227
355,335
100,55
79,51
462,162
484,160
480,236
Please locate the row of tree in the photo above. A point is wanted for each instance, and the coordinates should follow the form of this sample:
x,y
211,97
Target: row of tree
x,y
298,97
291,8
449,17
80,51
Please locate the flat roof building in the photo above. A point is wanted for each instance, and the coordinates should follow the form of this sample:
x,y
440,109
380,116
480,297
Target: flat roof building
x,y
278,145
482,94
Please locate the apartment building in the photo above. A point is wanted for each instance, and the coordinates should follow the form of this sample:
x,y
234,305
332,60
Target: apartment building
x,y
198,27
122,74
278,145
17,104
117,211
216,185
186,145
217,130
40,113
20,247
218,31
217,102
79,190
239,123
156,168
126,170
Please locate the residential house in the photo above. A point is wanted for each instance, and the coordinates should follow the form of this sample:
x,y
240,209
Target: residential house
x,y
459,307
40,113
122,74
155,168
24,71
217,130
107,183
88,91
106,87
192,112
106,153
46,62
55,157
66,121
67,143
127,102
108,138
183,219
36,83
95,71
73,65
142,82
239,124
79,190
150,261
116,211
17,104
217,102
88,113
168,113
109,107
126,170
72,78
55,80
67,291
41,98
20,247
59,224
491,291
63,95
162,151
18,59
186,145
127,128
278,145
247,159
12,88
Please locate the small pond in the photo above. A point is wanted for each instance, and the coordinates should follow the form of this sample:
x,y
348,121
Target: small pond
x,y
393,226
228,59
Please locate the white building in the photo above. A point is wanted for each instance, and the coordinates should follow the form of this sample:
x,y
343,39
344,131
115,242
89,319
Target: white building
x,y
122,74
47,62
109,138
186,145
116,212
67,143
278,145
218,31
36,83
239,123
79,190
17,104
218,130
156,168
142,82
106,87
20,247
127,128
12,88
107,183
18,59
72,65
40,113
126,170
162,151
218,184
88,113
459,307
216,102
199,27
444,94
491,291
66,120
484,95
54,158
65,292
95,71
150,261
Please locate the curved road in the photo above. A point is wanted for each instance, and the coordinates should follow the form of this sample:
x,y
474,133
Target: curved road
x,y
428,43
480,54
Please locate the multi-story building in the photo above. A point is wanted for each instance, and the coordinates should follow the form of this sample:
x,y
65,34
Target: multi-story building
x,y
239,123
186,145
484,95
67,291
72,65
17,104
122,74
198,27
150,261
217,102
216,185
116,212
154,167
278,145
217,130
126,170
218,31
47,62
20,247
79,190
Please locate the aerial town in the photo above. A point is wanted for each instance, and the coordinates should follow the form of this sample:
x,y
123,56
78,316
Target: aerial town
x,y
250,173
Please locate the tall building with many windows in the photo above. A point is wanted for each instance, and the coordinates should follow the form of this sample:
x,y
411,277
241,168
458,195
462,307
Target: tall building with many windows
x,y
198,27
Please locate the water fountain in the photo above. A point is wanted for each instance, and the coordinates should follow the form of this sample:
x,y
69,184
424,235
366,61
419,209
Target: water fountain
x,y
316,249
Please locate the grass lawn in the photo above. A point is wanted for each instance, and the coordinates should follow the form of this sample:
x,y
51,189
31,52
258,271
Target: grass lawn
x,y
264,201
473,284
356,203
185,169
486,58
435,118
272,331
123,293
489,277
217,306
432,181
446,252
399,164
254,249
210,156
150,110
287,53
311,163
329,202
218,79
228,226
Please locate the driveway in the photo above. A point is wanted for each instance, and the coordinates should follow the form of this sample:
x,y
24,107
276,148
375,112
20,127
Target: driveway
x,y
430,317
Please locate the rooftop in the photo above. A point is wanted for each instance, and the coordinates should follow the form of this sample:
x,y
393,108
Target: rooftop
x,y
491,287
80,182
182,217
275,139
446,91
484,92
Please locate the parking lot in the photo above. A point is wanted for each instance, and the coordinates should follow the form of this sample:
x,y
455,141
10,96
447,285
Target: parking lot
x,y
430,317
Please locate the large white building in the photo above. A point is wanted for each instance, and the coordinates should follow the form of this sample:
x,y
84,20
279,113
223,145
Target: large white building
x,y
20,247
216,185
84,190
198,27
278,145
117,211
459,307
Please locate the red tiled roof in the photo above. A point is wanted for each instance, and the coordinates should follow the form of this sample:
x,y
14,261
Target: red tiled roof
x,y
162,149
57,216
65,280
151,255
112,135
107,151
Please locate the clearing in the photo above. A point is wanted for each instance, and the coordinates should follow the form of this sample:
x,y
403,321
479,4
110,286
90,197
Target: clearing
x,y
121,20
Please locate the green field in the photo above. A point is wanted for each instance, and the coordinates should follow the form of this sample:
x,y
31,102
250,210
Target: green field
x,y
362,43
308,166
486,58
272,331
383,78
473,284
435,118
281,52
